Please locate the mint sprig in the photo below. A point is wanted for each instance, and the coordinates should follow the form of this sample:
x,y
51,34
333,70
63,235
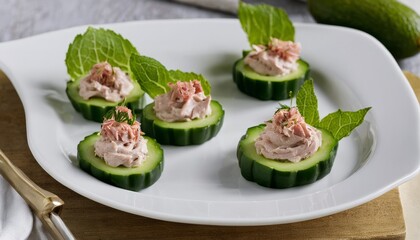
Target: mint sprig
x,y
154,77
340,123
151,74
95,46
307,103
263,22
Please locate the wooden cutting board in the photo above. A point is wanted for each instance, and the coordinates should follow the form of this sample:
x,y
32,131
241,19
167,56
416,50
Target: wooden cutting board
x,y
381,218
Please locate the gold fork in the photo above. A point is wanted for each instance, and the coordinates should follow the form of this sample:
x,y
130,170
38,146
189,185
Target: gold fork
x,y
46,205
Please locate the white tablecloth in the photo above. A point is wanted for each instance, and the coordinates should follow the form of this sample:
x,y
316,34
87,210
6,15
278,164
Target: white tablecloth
x,y
16,219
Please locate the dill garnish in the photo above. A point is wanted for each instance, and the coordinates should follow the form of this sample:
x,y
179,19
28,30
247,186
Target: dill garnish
x,y
120,116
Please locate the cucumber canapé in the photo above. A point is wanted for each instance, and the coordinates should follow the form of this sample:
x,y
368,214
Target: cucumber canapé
x,y
95,108
284,174
192,132
135,178
269,87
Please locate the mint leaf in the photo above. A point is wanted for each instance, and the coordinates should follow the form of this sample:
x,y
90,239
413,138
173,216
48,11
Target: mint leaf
x,y
95,46
151,74
307,103
340,123
262,22
177,75
154,77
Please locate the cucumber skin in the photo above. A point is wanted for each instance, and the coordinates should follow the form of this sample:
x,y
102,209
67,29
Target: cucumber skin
x,y
94,112
268,90
394,24
180,137
133,182
266,176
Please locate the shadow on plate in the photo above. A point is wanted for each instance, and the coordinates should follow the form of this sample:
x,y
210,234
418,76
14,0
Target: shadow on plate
x,y
57,99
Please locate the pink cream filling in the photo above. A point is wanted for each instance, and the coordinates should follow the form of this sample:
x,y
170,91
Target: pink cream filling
x,y
121,143
184,102
107,82
288,137
277,59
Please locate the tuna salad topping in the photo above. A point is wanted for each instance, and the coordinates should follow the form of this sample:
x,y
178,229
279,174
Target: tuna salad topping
x,y
277,59
184,102
121,142
107,82
288,137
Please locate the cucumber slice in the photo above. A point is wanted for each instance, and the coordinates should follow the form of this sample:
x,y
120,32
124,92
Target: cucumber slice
x,y
192,132
95,108
269,87
134,179
283,174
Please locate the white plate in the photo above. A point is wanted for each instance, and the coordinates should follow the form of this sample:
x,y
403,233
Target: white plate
x,y
202,184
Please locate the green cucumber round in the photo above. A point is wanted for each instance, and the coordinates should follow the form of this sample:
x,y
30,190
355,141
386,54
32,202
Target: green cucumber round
x,y
192,132
135,178
284,174
95,108
269,87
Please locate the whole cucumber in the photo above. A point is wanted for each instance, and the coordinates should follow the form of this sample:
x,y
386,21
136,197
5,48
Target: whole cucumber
x,y
391,22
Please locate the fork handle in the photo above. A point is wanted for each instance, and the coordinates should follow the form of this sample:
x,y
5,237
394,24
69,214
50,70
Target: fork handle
x,y
42,202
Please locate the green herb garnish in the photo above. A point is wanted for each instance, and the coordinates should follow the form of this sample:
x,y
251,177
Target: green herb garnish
x,y
263,22
95,46
340,123
284,106
154,77
120,116
307,103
